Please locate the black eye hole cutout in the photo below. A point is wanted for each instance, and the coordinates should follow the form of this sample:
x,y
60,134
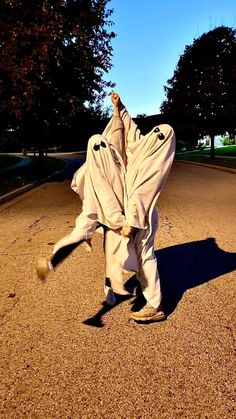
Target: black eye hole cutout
x,y
97,146
161,136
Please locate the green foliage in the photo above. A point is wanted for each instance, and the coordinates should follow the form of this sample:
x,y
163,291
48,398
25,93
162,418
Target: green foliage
x,y
228,141
201,95
53,55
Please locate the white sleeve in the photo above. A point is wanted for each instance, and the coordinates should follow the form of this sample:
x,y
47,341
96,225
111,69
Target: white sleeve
x,y
77,183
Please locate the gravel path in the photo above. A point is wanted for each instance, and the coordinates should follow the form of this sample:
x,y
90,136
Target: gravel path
x,y
63,355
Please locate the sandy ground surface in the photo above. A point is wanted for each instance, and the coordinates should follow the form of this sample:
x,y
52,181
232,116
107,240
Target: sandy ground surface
x,y
63,355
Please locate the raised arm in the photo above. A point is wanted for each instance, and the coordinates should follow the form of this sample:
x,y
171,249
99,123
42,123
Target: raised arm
x,y
117,128
131,132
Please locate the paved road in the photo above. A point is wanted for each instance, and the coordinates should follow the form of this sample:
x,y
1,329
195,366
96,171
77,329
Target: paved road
x,y
63,356
73,162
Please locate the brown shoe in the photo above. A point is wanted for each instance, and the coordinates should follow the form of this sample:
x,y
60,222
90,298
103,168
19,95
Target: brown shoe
x,y
43,268
148,313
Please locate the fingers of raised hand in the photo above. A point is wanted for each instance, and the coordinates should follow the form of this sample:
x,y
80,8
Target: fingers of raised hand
x,y
115,98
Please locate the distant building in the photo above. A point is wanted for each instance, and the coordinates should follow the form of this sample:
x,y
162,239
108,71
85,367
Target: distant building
x,y
219,140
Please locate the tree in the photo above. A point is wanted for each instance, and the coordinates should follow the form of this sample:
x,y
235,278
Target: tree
x,y
201,95
53,54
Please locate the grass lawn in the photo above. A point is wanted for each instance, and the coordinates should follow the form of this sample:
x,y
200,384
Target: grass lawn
x,y
36,170
6,160
203,156
229,150
227,162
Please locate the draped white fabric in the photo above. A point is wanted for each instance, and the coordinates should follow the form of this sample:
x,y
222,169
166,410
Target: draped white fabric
x,y
116,190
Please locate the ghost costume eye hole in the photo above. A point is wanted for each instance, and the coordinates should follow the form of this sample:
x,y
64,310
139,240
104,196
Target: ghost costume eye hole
x,y
156,129
103,144
96,147
161,136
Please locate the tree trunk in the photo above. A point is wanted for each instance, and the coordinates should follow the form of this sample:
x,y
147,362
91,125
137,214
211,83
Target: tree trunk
x,y
212,146
41,154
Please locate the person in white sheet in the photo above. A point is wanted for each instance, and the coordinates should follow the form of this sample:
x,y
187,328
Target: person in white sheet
x,y
119,185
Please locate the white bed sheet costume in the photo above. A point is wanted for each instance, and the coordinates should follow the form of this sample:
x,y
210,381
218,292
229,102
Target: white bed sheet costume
x,y
121,186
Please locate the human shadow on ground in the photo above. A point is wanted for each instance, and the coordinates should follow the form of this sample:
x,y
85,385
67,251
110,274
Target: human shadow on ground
x,y
189,265
181,267
96,320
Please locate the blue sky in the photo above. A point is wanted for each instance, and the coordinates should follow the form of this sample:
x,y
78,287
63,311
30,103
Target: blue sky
x,y
151,35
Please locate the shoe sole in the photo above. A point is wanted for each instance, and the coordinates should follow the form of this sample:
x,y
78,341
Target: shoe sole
x,y
42,269
155,318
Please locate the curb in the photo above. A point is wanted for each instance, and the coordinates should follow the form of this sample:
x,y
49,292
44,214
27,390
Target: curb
x,y
16,192
20,191
210,166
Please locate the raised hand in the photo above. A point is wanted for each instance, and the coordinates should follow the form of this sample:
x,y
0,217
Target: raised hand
x,y
115,98
126,230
